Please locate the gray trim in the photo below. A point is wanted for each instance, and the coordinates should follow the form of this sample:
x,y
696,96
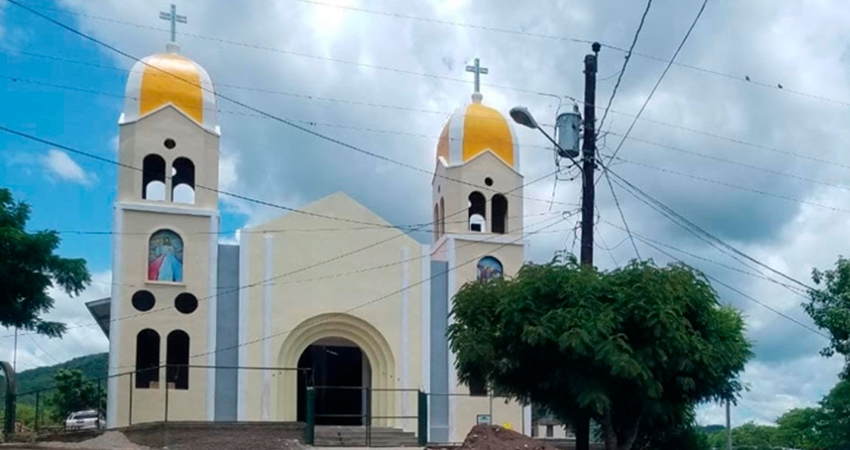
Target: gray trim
x,y
438,399
227,333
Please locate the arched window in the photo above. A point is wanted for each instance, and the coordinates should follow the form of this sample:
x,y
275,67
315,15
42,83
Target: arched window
x,y
165,257
477,212
436,221
500,214
183,181
177,358
153,178
442,216
147,358
489,268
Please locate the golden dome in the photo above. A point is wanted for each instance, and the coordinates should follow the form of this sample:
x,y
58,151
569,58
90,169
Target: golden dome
x,y
170,79
474,129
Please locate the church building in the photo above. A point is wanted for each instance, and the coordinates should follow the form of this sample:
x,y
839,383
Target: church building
x,y
331,296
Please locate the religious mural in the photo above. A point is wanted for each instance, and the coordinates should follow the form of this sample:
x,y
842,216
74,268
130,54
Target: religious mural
x,y
165,257
489,268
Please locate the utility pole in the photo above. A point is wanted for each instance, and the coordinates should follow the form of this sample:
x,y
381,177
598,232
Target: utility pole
x,y
728,425
588,197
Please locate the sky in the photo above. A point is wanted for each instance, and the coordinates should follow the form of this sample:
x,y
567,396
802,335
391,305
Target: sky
x,y
745,137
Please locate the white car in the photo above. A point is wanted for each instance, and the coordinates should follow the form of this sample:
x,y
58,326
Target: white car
x,y
85,420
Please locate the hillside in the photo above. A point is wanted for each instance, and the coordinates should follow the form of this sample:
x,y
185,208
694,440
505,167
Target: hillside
x,y
93,366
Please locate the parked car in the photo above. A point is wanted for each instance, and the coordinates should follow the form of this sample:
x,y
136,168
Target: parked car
x,y
85,420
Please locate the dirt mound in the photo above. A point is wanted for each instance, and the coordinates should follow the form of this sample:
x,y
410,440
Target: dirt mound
x,y
106,441
492,437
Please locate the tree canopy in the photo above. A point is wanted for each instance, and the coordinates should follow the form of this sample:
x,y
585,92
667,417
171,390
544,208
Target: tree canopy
x,y
829,308
639,344
28,267
75,392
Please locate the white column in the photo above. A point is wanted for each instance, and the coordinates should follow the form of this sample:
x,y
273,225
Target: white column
x,y
451,267
526,420
267,325
212,308
114,324
241,408
405,333
425,313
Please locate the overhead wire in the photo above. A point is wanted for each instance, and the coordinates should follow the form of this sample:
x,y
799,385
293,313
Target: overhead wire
x,y
625,63
660,79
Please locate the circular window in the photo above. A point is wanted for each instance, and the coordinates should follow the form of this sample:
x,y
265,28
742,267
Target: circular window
x,y
143,301
186,303
169,143
488,181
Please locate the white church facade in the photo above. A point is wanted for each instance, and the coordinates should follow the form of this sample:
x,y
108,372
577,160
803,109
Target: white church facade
x,y
329,296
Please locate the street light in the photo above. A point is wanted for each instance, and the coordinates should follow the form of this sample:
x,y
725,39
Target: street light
x,y
522,116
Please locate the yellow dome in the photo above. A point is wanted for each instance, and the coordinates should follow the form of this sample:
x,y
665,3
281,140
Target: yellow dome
x,y
170,79
474,129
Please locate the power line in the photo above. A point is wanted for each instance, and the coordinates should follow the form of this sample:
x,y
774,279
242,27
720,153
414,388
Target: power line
x,y
383,297
735,186
745,295
754,274
625,63
694,229
737,163
658,83
43,350
622,216
446,113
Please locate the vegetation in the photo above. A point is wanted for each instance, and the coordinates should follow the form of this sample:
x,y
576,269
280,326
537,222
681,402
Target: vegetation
x,y
29,267
635,348
829,307
75,392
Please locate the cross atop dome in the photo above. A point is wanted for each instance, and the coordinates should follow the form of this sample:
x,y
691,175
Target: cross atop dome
x,y
478,71
174,19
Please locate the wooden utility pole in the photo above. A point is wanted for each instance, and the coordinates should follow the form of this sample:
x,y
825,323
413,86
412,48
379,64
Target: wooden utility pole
x,y
588,198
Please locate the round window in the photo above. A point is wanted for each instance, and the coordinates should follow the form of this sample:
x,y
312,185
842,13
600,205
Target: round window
x,y
143,301
186,303
488,181
169,143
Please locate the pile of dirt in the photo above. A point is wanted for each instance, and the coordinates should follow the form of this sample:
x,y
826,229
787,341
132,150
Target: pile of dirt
x,y
492,437
106,441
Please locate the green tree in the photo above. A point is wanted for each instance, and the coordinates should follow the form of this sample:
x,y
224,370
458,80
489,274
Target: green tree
x,y
798,428
750,436
640,344
829,308
28,267
833,428
75,392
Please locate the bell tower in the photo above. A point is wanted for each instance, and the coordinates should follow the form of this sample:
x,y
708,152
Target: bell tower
x,y
478,235
165,243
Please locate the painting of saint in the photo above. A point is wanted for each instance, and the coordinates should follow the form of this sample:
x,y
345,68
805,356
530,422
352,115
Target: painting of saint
x,y
165,257
489,268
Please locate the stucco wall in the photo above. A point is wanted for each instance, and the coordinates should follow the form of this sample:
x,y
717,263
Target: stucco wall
x,y
361,297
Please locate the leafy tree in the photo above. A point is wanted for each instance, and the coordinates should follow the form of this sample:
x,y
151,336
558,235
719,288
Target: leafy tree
x,y
640,344
798,429
680,433
829,308
28,267
833,428
750,436
75,392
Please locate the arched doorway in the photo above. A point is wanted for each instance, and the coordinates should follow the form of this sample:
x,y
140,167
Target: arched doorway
x,y
341,374
335,328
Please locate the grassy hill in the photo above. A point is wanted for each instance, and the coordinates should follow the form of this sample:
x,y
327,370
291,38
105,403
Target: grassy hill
x,y
93,367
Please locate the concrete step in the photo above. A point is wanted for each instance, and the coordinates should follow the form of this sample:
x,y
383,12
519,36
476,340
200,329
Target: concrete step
x,y
352,436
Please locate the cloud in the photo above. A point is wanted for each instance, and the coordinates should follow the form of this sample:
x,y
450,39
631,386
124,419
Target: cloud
x,y
59,164
766,216
83,337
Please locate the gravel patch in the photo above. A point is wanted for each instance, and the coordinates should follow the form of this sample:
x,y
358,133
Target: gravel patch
x,y
106,441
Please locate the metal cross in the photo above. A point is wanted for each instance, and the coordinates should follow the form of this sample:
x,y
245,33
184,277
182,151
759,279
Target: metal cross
x,y
174,19
477,70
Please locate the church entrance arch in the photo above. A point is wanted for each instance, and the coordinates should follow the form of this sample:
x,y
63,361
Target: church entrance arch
x,y
313,343
341,375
